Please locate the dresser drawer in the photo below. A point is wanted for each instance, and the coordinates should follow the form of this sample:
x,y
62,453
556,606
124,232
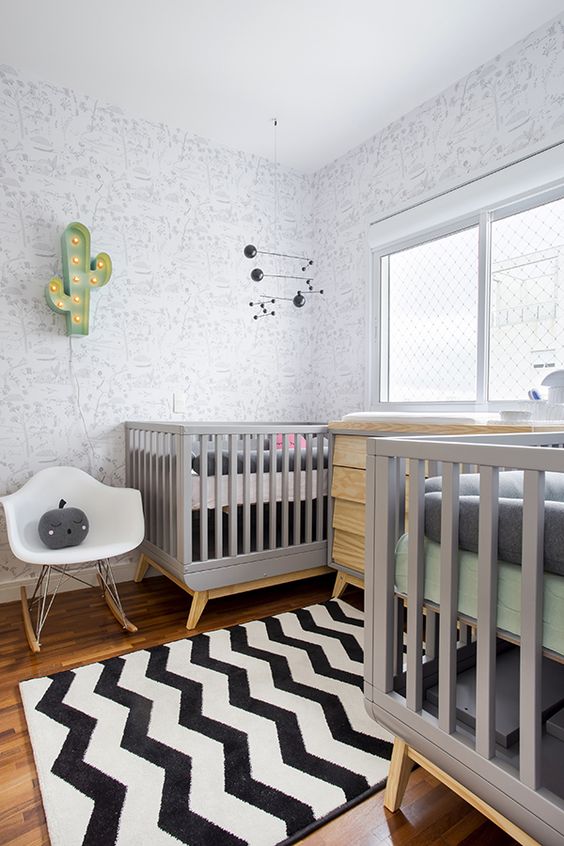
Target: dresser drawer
x,y
349,451
349,483
349,516
348,549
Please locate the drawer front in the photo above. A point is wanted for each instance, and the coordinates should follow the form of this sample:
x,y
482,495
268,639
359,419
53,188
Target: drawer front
x,y
348,549
350,451
349,483
349,516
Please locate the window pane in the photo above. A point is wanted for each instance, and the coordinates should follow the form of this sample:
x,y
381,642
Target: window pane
x,y
433,303
526,326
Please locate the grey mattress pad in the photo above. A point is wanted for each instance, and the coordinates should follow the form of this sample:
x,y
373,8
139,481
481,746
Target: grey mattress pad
x,y
267,458
510,525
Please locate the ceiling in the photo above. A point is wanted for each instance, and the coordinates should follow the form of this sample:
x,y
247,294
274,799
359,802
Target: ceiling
x,y
333,72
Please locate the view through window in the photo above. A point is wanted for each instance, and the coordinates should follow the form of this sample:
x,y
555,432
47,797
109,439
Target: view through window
x,y
434,348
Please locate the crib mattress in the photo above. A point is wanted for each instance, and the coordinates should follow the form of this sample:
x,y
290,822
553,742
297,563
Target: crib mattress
x,y
240,490
509,591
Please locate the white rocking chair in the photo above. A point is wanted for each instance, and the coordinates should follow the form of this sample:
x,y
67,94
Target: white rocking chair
x,y
116,527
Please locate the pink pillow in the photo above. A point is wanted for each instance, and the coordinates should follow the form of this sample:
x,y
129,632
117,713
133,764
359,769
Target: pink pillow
x,y
291,441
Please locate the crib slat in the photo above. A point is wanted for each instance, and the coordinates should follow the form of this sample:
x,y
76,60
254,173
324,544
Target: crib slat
x,y
172,501
162,489
448,597
260,494
232,494
218,496
380,543
487,611
272,469
203,497
532,574
186,470
285,488
246,493
414,693
297,487
309,490
320,442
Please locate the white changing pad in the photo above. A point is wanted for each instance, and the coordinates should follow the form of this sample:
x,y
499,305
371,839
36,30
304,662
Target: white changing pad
x,y
419,417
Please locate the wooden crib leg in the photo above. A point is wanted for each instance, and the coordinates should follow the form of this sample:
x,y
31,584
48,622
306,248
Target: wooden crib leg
x,y
142,567
400,769
340,586
199,602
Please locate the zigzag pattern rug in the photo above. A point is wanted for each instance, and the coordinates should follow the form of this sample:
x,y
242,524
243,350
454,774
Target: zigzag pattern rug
x,y
249,736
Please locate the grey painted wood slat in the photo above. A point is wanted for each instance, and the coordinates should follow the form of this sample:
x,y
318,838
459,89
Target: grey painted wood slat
x,y
246,494
532,590
319,440
162,488
487,611
309,489
431,634
297,487
259,514
218,496
172,502
415,562
448,597
272,492
185,468
147,480
203,497
285,489
232,496
153,485
380,572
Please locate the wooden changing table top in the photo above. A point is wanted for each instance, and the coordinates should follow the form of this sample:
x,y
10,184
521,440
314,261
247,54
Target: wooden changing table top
x,y
365,427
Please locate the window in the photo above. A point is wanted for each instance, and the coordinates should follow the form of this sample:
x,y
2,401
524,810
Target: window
x,y
472,311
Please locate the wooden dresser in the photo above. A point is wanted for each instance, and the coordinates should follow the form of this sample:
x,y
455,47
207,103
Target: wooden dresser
x,y
349,480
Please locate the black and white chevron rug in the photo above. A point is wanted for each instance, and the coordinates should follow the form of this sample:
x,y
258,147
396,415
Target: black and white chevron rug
x,y
251,735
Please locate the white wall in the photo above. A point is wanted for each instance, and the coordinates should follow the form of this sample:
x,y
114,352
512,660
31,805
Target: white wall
x,y
174,212
504,109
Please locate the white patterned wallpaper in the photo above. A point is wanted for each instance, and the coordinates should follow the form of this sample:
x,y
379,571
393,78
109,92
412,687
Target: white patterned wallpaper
x,y
174,212
512,105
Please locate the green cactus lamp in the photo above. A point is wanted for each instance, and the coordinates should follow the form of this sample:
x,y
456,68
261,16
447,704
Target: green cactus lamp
x,y
71,295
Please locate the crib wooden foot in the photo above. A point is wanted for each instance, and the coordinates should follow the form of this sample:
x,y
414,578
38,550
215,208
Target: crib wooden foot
x,y
340,586
199,602
400,770
142,567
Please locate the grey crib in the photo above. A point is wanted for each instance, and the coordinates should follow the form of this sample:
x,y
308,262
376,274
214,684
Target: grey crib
x,y
231,507
480,706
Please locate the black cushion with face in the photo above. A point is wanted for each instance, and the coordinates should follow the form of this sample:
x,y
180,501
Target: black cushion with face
x,y
62,527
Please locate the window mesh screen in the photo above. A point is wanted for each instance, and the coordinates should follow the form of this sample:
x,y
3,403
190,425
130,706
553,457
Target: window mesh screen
x,y
526,325
433,309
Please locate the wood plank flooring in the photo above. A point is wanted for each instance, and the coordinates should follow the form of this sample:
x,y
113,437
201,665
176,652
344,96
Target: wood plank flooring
x,y
81,630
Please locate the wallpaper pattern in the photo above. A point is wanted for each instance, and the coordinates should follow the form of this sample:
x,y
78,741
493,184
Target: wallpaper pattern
x,y
512,105
173,211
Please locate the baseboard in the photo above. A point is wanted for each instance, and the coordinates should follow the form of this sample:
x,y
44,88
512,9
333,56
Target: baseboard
x,y
123,572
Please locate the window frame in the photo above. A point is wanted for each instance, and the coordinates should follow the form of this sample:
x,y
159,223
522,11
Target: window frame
x,y
498,203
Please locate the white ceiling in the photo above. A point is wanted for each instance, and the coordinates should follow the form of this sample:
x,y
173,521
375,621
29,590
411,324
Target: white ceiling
x,y
333,71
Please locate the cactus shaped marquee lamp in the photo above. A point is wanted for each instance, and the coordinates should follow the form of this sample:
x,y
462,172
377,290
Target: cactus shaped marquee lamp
x,y
81,273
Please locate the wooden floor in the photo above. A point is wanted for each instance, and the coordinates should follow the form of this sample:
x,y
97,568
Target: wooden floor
x,y
81,630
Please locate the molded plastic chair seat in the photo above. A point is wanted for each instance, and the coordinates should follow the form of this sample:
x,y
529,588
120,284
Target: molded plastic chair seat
x,y
116,523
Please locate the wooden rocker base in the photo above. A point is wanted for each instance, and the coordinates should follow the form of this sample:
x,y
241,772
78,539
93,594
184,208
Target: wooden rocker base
x,y
403,759
344,579
201,598
28,626
114,608
43,600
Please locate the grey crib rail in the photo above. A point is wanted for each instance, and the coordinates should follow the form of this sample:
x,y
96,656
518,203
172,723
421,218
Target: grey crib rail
x,y
240,511
515,786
